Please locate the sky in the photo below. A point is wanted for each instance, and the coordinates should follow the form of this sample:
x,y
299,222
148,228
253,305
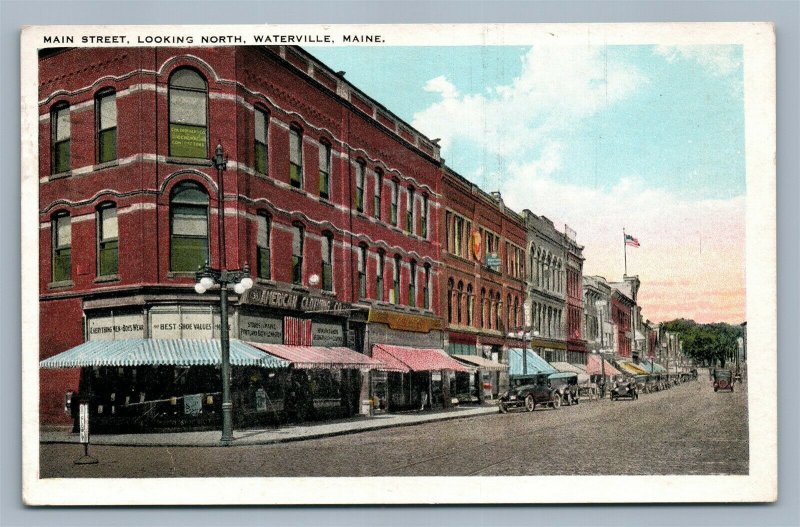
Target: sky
x,y
649,139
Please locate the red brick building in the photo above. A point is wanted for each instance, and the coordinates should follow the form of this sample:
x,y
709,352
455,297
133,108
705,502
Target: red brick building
x,y
576,343
332,201
484,278
621,308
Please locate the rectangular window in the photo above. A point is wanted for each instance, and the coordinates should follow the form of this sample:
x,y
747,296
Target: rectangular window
x,y
360,176
106,109
295,158
410,211
458,235
426,291
187,123
395,298
393,211
107,242
62,248
61,133
263,262
324,170
378,194
412,286
327,263
297,254
261,157
379,277
448,231
424,217
189,238
362,272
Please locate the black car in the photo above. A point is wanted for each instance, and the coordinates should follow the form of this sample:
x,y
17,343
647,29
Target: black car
x,y
567,386
626,388
527,391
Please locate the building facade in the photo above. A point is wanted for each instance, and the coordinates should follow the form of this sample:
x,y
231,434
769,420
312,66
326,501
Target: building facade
x,y
576,343
484,278
330,200
546,287
621,316
599,326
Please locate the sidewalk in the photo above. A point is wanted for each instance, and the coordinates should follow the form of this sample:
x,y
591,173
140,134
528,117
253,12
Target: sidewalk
x,y
272,435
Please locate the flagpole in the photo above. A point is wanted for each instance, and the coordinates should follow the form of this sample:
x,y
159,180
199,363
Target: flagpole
x,y
625,249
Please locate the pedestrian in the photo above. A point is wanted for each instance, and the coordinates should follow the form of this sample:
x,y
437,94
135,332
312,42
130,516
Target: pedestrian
x,y
424,397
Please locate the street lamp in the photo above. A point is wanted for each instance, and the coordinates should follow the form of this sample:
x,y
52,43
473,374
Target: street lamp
x,y
601,304
240,281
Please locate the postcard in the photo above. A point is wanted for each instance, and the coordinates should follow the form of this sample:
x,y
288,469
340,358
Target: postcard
x,y
391,264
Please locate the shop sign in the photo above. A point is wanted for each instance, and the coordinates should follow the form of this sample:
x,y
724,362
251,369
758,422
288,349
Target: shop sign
x,y
115,327
187,323
493,262
261,400
193,404
83,418
404,322
328,335
436,376
294,301
261,329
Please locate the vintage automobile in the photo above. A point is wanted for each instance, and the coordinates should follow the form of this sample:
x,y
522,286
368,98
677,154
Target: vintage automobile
x,y
625,388
723,380
643,383
527,391
566,384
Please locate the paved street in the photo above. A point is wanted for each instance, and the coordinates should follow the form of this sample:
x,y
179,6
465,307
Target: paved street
x,y
688,429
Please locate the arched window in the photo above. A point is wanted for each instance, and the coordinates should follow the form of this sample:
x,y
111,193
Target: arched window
x,y
105,105
396,285
263,238
362,270
482,321
492,309
460,301
326,254
498,315
410,210
298,242
61,247
361,176
509,313
470,305
107,240
450,293
516,313
426,287
379,274
377,201
424,218
260,140
188,114
189,227
60,134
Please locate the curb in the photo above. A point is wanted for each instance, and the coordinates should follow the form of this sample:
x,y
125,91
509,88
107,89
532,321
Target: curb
x,y
276,440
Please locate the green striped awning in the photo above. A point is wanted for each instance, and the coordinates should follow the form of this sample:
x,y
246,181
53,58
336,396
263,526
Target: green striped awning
x,y
158,352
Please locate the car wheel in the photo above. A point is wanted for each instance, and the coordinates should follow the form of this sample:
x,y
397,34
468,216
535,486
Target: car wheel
x,y
569,399
715,389
614,397
530,404
731,388
556,401
577,400
503,408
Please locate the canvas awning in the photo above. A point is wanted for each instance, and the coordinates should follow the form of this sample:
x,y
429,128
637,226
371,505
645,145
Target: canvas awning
x,y
595,367
653,367
535,363
481,362
631,368
566,367
405,359
160,352
319,357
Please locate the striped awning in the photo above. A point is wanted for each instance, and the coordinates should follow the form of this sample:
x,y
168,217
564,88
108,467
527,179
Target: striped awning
x,y
480,362
653,367
595,367
405,359
319,357
567,367
534,363
160,352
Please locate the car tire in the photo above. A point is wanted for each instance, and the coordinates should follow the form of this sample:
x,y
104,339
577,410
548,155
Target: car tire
x,y
731,388
569,399
577,400
614,397
716,389
556,401
530,404
503,408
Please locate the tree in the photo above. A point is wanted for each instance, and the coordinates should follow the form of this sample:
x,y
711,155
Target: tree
x,y
707,343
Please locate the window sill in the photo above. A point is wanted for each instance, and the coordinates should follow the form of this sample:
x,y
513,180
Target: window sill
x,y
61,284
107,164
181,274
326,202
189,161
265,281
331,294
304,289
107,278
61,175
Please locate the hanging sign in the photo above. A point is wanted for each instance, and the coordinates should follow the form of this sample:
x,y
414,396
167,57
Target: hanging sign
x,y
328,335
83,421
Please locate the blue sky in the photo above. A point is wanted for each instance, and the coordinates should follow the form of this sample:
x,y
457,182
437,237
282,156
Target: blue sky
x,y
646,138
681,129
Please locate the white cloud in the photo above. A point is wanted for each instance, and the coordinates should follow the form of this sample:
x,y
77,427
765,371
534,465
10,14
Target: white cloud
x,y
717,60
557,87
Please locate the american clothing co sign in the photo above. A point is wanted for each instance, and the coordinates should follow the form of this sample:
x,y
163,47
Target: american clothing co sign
x,y
294,301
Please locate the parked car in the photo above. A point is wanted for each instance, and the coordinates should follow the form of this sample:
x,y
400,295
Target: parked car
x,y
723,380
626,388
527,391
643,384
566,384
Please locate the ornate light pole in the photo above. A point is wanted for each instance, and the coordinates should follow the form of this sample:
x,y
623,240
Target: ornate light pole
x,y
207,277
601,304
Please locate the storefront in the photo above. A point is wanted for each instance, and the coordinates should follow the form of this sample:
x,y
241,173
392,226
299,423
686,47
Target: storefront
x,y
480,370
550,350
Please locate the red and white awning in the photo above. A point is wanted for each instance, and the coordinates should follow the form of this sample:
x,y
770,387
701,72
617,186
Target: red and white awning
x,y
405,359
319,357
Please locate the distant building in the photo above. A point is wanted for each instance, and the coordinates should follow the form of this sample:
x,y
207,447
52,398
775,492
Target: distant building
x,y
576,343
599,326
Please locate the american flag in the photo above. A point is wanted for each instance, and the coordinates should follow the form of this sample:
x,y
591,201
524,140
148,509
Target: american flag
x,y
630,240
296,331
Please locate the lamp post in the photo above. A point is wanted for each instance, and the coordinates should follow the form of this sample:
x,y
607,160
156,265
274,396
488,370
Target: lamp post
x,y
600,305
207,277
